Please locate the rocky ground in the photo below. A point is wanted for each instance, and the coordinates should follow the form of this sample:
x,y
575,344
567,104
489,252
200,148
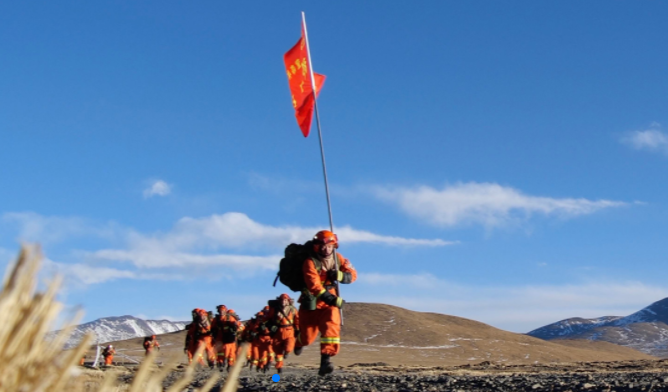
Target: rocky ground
x,y
648,376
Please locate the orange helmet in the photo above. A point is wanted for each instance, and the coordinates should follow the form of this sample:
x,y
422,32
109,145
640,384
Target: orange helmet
x,y
324,237
284,296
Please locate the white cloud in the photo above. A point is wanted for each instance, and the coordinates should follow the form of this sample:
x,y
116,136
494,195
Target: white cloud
x,y
651,139
32,227
514,308
488,204
193,243
237,230
148,258
157,188
86,274
192,240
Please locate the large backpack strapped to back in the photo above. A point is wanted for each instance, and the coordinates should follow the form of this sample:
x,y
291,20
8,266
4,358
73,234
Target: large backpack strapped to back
x,y
290,269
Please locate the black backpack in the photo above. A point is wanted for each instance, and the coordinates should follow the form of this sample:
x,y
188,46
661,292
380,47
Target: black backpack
x,y
290,269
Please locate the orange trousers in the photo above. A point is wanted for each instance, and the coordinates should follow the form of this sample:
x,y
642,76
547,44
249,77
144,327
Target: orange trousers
x,y
265,351
205,344
226,352
108,360
327,321
283,343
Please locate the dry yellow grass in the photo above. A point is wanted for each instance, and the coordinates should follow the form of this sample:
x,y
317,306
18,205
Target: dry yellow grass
x,y
31,362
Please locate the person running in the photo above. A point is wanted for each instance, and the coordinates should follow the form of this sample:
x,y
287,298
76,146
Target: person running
x,y
319,309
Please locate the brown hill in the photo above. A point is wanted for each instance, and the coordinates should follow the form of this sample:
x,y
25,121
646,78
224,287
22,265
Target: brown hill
x,y
385,333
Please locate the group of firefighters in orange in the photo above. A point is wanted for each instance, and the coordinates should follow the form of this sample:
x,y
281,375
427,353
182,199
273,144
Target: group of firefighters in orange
x,y
279,328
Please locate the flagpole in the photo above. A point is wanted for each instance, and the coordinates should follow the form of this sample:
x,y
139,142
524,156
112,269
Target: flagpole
x,y
322,151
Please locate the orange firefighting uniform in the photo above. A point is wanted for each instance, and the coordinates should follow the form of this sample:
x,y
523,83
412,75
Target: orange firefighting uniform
x,y
199,335
149,345
225,328
325,319
253,355
284,339
264,349
108,355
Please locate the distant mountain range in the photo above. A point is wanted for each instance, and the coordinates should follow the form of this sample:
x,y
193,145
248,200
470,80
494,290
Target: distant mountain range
x,y
111,329
645,330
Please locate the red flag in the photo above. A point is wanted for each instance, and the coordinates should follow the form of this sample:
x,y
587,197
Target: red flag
x,y
299,78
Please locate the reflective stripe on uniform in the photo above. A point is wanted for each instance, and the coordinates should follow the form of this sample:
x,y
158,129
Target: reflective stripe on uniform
x,y
330,340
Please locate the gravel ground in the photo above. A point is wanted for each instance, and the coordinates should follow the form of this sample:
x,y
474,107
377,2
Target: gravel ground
x,y
647,376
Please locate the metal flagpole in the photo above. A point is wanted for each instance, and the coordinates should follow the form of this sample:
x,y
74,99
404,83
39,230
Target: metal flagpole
x,y
322,151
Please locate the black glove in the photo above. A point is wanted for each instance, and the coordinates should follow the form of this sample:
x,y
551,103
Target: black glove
x,y
331,299
334,275
339,276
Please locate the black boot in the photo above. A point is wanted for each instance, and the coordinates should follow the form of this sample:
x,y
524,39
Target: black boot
x,y
298,350
326,367
279,370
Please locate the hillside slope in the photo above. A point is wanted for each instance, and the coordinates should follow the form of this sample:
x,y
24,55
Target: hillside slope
x,y
385,333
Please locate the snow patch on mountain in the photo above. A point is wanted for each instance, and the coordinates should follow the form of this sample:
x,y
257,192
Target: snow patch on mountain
x,y
645,330
110,329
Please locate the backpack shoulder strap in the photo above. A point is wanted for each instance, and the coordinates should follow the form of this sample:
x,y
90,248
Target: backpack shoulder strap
x,y
316,262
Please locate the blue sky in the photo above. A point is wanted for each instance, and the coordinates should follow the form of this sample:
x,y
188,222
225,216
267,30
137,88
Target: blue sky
x,y
496,161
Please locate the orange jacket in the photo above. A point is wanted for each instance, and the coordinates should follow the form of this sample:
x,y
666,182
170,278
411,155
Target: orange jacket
x,y
225,327
291,319
198,330
317,280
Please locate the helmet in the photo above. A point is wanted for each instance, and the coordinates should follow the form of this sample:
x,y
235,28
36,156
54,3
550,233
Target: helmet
x,y
284,296
324,237
152,336
110,346
230,311
221,306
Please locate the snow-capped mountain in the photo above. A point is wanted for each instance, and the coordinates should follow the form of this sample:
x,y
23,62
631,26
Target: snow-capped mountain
x,y
109,329
645,330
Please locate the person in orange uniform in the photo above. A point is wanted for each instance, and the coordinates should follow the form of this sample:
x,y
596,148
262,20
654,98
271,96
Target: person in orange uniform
x,y
108,354
264,349
225,327
199,338
150,343
232,327
284,318
319,304
217,334
253,334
